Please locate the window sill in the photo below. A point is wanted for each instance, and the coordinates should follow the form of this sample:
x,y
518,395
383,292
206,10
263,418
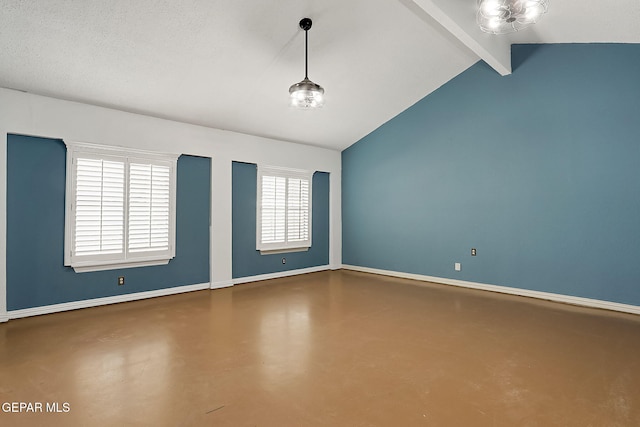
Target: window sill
x,y
281,251
79,268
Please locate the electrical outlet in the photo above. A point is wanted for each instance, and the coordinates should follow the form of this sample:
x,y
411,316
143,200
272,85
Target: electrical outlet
x,y
457,266
473,251
120,280
284,260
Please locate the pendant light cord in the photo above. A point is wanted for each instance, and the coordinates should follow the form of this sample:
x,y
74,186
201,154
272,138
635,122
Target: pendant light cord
x,y
306,49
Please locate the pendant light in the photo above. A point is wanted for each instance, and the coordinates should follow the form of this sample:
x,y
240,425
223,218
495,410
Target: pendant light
x,y
306,94
507,16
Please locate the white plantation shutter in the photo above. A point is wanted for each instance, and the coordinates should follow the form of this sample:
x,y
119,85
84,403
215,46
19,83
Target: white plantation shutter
x,y
273,209
283,209
99,207
121,207
298,210
149,205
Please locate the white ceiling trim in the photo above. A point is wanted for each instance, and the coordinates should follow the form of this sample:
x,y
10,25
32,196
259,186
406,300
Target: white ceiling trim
x,y
455,18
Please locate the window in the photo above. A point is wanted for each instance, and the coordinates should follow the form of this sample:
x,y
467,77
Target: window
x,y
284,209
120,207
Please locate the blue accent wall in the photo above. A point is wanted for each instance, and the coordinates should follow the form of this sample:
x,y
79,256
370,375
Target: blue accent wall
x,y
247,261
36,276
539,170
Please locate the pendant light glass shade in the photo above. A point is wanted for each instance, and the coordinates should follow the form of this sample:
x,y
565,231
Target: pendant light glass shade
x,y
306,94
507,16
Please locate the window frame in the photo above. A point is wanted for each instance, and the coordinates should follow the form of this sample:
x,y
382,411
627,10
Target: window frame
x,y
125,259
286,246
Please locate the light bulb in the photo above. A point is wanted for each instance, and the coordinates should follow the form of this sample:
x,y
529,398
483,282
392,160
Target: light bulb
x,y
491,7
533,12
494,23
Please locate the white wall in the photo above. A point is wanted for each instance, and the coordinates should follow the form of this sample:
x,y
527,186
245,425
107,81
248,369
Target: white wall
x,y
28,114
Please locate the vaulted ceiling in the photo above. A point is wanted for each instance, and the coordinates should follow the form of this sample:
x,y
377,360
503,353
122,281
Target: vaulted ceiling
x,y
228,64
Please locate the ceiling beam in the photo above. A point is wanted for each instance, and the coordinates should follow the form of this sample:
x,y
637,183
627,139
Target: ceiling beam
x,y
458,18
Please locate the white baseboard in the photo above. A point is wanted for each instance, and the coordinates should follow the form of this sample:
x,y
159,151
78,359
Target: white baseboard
x,y
567,299
221,284
280,274
74,305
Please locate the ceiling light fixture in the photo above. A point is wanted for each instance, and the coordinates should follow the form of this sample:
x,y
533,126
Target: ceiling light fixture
x,y
306,94
507,16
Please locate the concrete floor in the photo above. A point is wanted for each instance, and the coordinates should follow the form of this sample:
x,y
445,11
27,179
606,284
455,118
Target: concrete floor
x,y
325,349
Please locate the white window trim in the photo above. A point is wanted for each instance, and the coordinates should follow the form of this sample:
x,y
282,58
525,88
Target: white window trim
x,y
147,258
285,247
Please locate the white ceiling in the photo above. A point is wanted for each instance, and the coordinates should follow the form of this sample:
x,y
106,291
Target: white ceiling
x,y
228,64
